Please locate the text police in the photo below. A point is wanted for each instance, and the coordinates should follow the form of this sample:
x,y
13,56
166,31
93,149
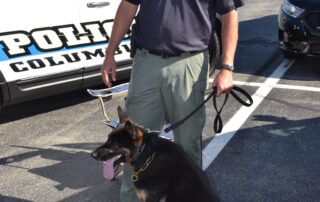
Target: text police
x,y
56,39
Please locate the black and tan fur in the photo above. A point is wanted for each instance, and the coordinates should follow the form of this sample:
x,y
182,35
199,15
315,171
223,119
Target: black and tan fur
x,y
170,177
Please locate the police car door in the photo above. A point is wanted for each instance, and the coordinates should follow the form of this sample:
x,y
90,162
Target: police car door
x,y
39,41
97,18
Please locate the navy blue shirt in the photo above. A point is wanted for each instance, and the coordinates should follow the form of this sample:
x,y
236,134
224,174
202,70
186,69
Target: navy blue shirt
x,y
176,26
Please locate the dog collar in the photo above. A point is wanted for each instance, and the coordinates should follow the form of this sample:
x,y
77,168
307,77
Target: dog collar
x,y
135,175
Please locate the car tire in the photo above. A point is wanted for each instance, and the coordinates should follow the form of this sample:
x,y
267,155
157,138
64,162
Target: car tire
x,y
288,54
214,52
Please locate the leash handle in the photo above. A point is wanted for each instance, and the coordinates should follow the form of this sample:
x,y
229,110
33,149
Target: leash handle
x,y
244,93
218,124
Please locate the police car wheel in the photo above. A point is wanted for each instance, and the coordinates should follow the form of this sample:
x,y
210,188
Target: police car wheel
x,y
288,54
214,52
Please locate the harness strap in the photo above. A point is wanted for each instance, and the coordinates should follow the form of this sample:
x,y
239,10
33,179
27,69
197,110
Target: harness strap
x,y
218,124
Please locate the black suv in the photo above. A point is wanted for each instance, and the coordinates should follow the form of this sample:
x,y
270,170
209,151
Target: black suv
x,y
299,27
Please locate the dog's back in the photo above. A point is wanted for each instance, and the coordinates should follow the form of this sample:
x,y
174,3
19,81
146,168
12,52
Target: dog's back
x,y
172,175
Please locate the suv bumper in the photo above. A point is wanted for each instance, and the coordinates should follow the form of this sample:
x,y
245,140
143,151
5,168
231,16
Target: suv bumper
x,y
296,36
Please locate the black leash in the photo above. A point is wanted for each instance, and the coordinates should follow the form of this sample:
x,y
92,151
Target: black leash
x,y
217,125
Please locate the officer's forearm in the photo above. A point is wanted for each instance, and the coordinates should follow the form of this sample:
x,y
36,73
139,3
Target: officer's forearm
x,y
124,17
229,35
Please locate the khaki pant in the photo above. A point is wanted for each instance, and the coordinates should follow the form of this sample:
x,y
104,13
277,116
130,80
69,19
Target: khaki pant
x,y
174,87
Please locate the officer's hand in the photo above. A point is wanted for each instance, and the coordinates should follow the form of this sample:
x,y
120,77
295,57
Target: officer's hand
x,y
109,66
223,81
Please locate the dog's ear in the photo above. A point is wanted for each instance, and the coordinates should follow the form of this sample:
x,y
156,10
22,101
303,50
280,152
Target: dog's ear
x,y
123,117
129,126
137,134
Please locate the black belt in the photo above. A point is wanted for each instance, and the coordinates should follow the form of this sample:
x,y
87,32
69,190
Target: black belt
x,y
218,125
168,55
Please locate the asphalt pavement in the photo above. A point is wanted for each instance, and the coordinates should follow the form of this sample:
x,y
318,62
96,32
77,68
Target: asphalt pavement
x,y
270,153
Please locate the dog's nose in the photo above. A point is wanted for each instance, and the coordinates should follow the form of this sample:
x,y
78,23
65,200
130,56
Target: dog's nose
x,y
94,154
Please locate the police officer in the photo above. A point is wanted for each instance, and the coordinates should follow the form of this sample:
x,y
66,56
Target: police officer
x,y
170,68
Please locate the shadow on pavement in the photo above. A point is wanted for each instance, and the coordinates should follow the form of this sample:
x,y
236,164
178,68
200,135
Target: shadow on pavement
x,y
74,170
305,69
278,161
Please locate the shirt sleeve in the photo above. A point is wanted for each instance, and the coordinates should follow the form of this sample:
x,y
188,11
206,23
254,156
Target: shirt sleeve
x,y
136,2
225,6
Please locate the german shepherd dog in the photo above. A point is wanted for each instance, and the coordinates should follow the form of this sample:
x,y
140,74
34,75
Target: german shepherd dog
x,y
163,172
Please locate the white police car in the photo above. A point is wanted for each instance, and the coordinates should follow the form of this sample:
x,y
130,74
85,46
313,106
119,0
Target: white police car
x,y
53,46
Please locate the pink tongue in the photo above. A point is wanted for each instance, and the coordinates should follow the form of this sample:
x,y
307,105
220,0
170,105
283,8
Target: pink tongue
x,y
108,171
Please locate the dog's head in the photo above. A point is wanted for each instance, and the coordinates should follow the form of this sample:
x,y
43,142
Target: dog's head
x,y
124,140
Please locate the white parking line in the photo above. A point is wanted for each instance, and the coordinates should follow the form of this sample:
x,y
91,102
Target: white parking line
x,y
219,142
280,86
